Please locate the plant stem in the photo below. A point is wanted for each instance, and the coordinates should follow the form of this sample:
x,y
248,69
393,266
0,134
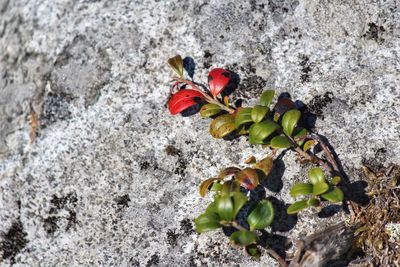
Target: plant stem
x,y
278,258
327,152
275,255
311,157
238,226
208,98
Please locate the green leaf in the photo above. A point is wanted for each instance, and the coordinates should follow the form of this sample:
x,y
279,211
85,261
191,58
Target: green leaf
x,y
289,121
301,189
320,188
267,97
216,186
308,145
297,206
262,215
336,180
248,178
265,165
335,195
259,131
258,113
316,175
209,110
207,222
243,238
205,185
212,208
222,125
176,63
253,251
243,116
239,199
298,133
229,187
225,207
281,141
313,202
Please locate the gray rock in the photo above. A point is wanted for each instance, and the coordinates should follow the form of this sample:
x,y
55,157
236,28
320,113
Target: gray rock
x,y
112,178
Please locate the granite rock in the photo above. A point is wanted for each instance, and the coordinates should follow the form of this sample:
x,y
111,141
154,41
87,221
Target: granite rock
x,y
111,178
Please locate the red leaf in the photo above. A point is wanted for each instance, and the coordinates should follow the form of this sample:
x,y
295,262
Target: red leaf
x,y
182,100
218,79
248,178
284,104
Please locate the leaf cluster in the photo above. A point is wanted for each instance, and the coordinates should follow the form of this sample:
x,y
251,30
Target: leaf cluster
x,y
318,188
230,187
271,124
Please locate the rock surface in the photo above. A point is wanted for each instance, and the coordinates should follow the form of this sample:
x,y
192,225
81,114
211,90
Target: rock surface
x,y
111,178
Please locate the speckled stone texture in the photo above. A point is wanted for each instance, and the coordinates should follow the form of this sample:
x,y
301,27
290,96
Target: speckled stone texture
x,y
112,178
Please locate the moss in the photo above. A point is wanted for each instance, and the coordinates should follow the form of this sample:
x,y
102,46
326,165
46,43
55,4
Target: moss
x,y
374,236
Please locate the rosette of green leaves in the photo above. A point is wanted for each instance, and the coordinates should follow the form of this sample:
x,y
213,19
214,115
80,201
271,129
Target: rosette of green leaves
x,y
290,130
317,188
252,121
259,217
222,211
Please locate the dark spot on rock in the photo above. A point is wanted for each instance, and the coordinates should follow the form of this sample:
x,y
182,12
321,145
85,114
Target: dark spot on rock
x,y
255,6
306,68
61,202
250,87
50,225
187,227
154,260
181,166
67,203
208,54
192,261
72,220
144,165
55,108
279,7
172,151
374,32
189,142
128,119
172,238
214,252
319,102
13,241
123,201
134,263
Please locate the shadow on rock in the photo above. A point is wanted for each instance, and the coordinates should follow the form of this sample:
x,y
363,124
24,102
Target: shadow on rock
x,y
273,181
279,243
190,66
283,222
329,211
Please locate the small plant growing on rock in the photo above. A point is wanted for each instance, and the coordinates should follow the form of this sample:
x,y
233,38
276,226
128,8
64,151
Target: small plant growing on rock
x,y
232,207
318,188
276,126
